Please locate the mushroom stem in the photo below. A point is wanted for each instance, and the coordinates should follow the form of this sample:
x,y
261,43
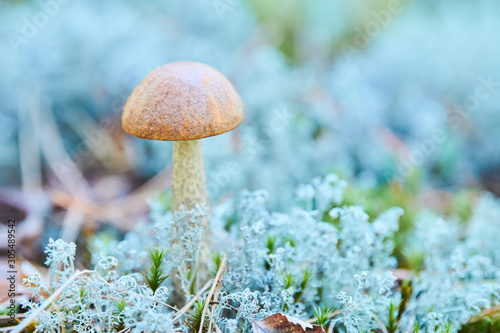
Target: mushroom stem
x,y
188,190
188,175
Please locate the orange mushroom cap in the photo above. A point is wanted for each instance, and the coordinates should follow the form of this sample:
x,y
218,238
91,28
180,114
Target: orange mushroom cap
x,y
182,100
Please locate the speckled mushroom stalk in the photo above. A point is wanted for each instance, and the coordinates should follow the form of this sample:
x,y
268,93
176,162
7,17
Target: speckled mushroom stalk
x,y
184,102
189,188
188,175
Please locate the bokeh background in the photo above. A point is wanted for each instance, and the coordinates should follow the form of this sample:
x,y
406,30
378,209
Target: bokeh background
x,y
382,92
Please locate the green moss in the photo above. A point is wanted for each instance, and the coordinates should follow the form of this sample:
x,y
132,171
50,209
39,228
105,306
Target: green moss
x,y
155,274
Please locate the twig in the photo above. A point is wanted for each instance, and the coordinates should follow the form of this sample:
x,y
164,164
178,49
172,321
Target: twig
x,y
210,293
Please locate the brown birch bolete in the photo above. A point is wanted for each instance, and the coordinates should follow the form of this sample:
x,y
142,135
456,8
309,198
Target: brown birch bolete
x,y
184,102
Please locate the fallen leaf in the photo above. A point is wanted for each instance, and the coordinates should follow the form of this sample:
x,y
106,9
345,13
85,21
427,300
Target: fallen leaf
x,y
281,323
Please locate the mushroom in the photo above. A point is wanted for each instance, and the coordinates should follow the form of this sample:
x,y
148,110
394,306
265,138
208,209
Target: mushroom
x,y
184,102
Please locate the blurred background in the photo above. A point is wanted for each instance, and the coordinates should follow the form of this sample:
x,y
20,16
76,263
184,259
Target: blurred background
x,y
387,93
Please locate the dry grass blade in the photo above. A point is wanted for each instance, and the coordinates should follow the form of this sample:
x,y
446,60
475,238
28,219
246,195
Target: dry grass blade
x,y
211,292
98,139
115,211
124,330
489,312
217,329
22,325
190,303
216,295
330,327
72,224
50,300
29,147
379,322
58,159
18,315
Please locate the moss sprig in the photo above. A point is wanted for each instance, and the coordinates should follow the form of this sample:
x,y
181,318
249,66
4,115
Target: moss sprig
x,y
194,318
155,274
323,315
